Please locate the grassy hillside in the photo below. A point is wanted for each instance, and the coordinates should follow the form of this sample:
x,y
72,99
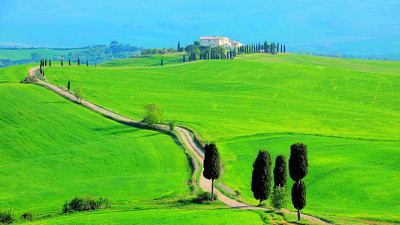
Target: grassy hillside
x,y
348,116
146,61
52,150
17,54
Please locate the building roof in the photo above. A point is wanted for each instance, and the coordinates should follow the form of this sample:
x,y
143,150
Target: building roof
x,y
211,37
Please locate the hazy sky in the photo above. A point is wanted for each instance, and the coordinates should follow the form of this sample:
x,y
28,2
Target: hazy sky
x,y
352,26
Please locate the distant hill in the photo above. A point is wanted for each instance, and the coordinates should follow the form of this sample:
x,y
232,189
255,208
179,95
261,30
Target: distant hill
x,y
95,54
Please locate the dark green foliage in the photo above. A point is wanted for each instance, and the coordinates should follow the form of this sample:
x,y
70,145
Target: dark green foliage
x,y
69,61
190,49
79,61
261,178
184,60
27,216
197,43
62,62
45,62
204,198
179,46
299,196
162,63
212,164
7,216
280,172
284,49
87,63
50,62
298,162
85,204
154,114
69,85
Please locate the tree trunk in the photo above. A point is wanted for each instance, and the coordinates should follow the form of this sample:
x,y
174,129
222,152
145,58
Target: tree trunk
x,y
298,214
260,201
212,189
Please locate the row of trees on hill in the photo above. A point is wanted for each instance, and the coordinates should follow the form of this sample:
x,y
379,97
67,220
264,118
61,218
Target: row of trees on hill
x,y
266,47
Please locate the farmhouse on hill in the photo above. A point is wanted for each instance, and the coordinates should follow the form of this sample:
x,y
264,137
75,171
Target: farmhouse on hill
x,y
214,41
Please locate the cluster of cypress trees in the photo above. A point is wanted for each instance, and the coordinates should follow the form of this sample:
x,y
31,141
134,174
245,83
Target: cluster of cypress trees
x,y
266,47
298,169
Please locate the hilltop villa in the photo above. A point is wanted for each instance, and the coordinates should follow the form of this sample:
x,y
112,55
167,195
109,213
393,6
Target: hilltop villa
x,y
213,41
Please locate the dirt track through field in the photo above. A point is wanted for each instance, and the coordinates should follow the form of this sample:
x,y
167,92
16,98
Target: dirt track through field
x,y
188,141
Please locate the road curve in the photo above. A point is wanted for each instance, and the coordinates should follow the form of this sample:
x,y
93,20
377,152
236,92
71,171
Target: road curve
x,y
187,139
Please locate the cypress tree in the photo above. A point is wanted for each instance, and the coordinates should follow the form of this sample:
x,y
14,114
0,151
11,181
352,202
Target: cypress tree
x,y
69,61
179,47
87,62
298,169
183,58
277,47
162,63
69,85
281,48
50,62
284,48
299,196
45,62
79,61
62,63
280,172
211,165
261,177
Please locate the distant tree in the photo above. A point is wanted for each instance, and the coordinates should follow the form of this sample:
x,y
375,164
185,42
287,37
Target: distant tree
x,y
298,169
69,85
192,49
87,63
69,61
277,47
284,48
114,43
211,164
280,172
219,50
50,62
281,48
62,62
183,58
154,114
45,62
78,94
179,46
197,43
261,178
79,61
162,63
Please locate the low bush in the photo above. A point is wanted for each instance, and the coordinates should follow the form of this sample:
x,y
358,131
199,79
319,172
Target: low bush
x,y
27,216
85,204
204,198
172,124
7,216
280,197
154,114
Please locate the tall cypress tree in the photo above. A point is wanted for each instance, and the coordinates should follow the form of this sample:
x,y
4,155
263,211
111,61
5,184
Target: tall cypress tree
x,y
69,61
298,169
45,62
281,48
62,62
79,61
211,164
69,85
284,49
162,63
87,62
50,62
280,172
183,58
179,46
261,178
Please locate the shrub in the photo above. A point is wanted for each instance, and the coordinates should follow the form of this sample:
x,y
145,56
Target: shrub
x,y
172,124
7,216
86,204
27,216
78,93
279,198
204,198
154,114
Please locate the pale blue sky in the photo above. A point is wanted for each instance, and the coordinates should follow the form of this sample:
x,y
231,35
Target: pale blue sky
x,y
359,27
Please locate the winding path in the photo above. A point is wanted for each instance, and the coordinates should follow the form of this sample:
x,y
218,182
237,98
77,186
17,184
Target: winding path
x,y
187,139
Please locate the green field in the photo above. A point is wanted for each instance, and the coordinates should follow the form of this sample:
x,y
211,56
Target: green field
x,y
146,61
52,150
18,54
348,112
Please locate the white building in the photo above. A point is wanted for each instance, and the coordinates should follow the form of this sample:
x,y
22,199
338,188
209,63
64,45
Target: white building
x,y
214,41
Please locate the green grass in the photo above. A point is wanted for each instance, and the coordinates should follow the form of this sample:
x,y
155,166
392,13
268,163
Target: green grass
x,y
52,150
347,114
146,61
17,54
164,216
